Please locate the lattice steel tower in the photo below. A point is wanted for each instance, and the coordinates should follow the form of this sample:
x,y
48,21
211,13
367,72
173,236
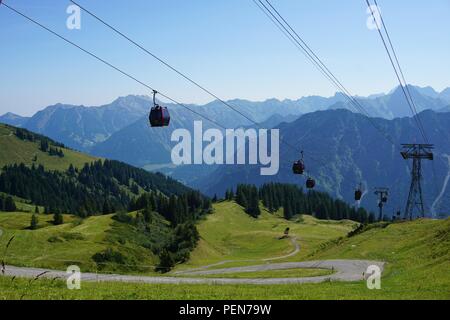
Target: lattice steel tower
x,y
417,152
382,193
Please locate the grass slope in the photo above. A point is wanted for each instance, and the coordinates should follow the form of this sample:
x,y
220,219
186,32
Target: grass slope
x,y
416,253
74,242
231,234
15,150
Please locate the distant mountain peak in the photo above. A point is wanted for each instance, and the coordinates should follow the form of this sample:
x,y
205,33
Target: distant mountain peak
x,y
13,119
132,97
11,115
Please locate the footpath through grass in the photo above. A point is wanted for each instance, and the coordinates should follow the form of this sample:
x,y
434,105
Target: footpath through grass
x,y
231,234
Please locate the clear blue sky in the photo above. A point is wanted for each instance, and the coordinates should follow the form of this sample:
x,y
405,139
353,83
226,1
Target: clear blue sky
x,y
227,45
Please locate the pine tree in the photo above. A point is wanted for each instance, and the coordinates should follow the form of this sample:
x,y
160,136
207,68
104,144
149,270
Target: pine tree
x,y
34,222
44,145
58,218
135,188
252,207
9,204
231,194
71,170
106,208
241,198
287,209
166,261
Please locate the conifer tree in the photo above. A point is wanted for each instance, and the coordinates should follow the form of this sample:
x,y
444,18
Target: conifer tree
x,y
34,222
58,218
9,204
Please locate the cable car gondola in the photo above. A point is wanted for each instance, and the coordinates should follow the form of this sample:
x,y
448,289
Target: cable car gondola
x,y
159,116
310,183
299,166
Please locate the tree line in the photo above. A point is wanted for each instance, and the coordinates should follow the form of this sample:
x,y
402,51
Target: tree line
x,y
24,134
171,243
293,200
100,187
7,203
45,144
176,209
246,196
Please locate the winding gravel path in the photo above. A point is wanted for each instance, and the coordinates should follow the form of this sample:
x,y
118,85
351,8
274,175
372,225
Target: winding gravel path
x,y
345,270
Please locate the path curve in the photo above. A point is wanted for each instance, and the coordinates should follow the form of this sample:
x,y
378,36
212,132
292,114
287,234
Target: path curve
x,y
293,241
293,253
345,270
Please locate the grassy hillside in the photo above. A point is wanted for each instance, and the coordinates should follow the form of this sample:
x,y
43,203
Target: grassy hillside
x,y
227,234
231,234
15,150
39,170
416,253
74,242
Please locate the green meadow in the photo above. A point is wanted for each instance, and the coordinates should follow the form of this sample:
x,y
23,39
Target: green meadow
x,y
416,254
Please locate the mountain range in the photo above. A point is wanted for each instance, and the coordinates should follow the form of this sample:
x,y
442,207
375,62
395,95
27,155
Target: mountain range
x,y
120,131
343,149
394,105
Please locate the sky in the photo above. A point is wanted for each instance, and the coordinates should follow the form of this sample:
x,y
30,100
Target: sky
x,y
228,46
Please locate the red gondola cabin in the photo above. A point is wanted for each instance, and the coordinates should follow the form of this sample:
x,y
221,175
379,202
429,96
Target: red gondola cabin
x,y
310,183
159,116
298,167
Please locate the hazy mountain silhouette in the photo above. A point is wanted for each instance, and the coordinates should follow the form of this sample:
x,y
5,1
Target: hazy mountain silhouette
x,y
343,149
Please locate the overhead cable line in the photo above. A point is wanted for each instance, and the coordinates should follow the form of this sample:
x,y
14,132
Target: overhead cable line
x,y
286,29
195,83
396,65
109,64
303,46
290,38
401,77
177,71
126,73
